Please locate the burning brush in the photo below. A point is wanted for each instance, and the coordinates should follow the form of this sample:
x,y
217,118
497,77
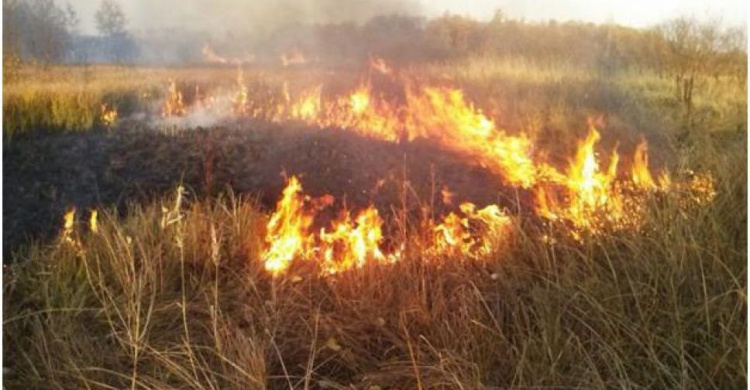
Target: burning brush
x,y
587,197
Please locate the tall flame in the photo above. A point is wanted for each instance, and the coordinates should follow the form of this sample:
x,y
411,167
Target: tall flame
x,y
641,175
173,105
287,230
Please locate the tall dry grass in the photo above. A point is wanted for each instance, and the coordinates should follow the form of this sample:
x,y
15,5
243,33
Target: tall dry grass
x,y
173,295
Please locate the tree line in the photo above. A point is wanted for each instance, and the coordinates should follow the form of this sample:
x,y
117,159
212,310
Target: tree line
x,y
45,31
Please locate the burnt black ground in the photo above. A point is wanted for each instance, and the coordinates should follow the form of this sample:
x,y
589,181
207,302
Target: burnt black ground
x,y
135,163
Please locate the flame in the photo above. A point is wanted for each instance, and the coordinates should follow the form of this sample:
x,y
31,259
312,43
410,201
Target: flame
x,y
68,221
210,56
348,244
589,187
287,230
107,115
93,224
641,175
240,100
454,235
442,114
308,107
67,235
173,105
590,194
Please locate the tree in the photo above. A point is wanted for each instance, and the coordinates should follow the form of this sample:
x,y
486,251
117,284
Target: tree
x,y
110,19
691,50
38,30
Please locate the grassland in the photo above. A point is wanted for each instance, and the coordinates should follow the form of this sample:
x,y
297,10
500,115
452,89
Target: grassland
x,y
171,293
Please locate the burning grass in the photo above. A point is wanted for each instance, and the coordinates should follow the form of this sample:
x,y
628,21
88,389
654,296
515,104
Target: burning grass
x,y
592,267
176,295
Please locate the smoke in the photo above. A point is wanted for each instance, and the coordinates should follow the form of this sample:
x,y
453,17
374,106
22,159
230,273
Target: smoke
x,y
233,16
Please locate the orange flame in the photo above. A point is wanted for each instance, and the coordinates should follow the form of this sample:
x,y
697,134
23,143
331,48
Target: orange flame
x,y
240,99
173,105
107,115
287,230
443,114
587,195
93,223
454,235
641,175
351,242
347,246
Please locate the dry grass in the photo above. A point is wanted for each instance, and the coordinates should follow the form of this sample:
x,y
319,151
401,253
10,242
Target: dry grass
x,y
173,294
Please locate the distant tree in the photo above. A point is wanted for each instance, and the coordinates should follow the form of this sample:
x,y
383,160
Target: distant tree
x,y
37,30
110,19
394,36
111,23
456,34
691,51
72,19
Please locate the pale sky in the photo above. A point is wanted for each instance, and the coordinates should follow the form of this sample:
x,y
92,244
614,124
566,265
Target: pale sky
x,y
223,14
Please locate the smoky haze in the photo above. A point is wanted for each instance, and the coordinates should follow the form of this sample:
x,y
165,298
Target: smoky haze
x,y
222,16
332,32
252,15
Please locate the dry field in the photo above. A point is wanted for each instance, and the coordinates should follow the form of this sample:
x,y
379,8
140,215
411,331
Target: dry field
x,y
469,224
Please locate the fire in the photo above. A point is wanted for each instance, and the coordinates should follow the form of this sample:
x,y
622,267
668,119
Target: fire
x,y
240,100
287,230
641,175
308,107
442,114
107,115
591,188
348,244
359,101
173,105
454,236
592,194
93,223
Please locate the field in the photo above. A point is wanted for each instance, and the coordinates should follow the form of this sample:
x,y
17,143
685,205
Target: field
x,y
176,281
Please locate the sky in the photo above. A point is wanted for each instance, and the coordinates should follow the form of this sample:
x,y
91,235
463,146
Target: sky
x,y
223,14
